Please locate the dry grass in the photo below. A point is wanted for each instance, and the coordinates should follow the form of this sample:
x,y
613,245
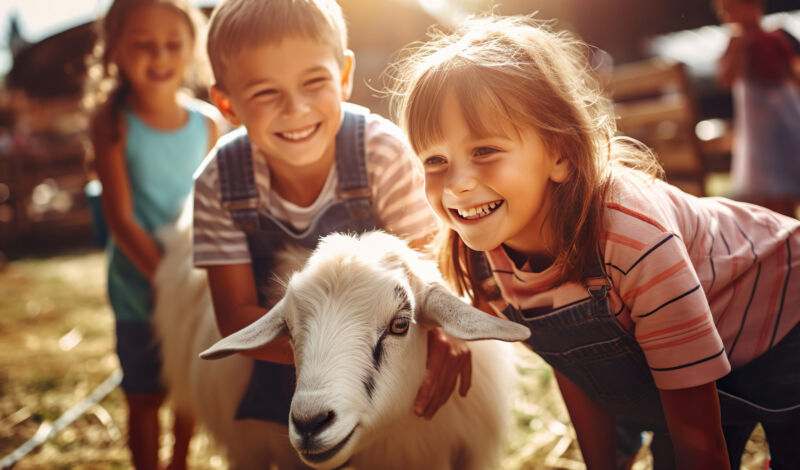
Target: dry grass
x,y
56,345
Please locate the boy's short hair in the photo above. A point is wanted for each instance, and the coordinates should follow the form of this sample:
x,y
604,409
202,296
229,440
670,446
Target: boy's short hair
x,y
237,24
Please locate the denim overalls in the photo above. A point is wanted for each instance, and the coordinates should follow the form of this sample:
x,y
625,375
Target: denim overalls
x,y
585,343
271,386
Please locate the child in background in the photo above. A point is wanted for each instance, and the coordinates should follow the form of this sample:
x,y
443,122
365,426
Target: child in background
x,y
674,312
148,140
762,68
305,164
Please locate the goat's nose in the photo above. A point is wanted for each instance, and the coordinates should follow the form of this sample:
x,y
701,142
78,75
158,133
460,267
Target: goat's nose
x,y
308,426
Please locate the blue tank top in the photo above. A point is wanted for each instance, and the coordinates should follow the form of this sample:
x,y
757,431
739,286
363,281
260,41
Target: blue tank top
x,y
161,164
160,168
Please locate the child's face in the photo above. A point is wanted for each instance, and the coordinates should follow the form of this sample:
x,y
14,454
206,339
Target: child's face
x,y
154,49
490,190
289,96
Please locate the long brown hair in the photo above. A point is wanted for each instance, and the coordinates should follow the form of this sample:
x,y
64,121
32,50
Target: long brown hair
x,y
536,78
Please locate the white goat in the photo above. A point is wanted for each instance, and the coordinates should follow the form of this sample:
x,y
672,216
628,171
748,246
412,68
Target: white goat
x,y
357,314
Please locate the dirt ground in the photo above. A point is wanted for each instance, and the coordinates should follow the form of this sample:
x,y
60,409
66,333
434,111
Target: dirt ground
x,y
56,346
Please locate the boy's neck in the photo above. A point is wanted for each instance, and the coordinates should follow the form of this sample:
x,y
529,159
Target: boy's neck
x,y
301,185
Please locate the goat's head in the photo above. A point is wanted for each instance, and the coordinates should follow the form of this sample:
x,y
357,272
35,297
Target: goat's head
x,y
357,315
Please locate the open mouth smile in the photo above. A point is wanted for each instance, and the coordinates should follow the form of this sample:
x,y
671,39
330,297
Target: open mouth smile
x,y
299,134
478,212
318,457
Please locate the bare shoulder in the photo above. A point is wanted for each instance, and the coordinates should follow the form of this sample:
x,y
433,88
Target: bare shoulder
x,y
101,122
106,129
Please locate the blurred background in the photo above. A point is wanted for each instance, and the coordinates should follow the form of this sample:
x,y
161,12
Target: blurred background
x,y
43,44
656,57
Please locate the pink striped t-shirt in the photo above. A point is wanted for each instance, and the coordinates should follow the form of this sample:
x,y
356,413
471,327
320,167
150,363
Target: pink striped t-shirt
x,y
703,283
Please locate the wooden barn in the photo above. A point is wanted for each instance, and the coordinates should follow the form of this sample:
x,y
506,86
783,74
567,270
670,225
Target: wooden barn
x,y
42,130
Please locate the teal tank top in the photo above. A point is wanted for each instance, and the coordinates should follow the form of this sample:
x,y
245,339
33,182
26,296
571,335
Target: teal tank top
x,y
160,168
161,164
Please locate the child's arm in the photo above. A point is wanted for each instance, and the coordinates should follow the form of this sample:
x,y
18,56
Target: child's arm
x,y
693,418
117,202
594,426
448,357
732,62
235,301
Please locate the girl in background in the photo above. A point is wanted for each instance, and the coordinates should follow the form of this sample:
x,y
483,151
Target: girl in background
x,y
148,138
762,69
677,313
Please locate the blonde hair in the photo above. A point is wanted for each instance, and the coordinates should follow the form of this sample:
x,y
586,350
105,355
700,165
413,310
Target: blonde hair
x,y
537,78
238,24
104,82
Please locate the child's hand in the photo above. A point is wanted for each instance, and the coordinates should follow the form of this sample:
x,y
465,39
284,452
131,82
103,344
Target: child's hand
x,y
448,357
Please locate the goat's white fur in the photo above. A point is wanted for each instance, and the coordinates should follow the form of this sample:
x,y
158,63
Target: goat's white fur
x,y
336,309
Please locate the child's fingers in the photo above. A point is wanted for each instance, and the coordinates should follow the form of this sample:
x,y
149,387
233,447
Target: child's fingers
x,y
445,382
466,376
437,352
443,391
423,395
437,348
448,357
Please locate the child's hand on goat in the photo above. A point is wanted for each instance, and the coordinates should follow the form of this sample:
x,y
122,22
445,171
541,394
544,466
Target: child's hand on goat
x,y
448,357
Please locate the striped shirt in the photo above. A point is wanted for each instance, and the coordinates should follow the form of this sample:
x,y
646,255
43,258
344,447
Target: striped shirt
x,y
703,283
395,179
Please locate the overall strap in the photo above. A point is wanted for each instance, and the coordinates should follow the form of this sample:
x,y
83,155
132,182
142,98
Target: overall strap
x,y
237,179
482,273
596,280
351,165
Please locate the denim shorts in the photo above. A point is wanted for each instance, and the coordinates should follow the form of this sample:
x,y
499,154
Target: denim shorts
x,y
768,388
139,356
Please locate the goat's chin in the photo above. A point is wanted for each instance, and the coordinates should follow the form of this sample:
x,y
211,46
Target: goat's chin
x,y
333,456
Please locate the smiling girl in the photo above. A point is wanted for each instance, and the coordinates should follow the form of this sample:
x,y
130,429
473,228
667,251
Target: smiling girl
x,y
148,139
677,313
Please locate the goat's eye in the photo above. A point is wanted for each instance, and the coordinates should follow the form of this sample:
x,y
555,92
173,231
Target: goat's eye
x,y
399,325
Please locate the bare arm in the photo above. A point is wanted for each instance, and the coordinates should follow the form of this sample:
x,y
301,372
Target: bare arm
x,y
731,63
593,425
734,60
132,239
233,293
693,418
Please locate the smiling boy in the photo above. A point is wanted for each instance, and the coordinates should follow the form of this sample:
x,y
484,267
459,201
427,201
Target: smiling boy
x,y
304,164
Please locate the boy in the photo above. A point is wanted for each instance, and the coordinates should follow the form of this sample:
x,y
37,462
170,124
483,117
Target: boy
x,y
304,165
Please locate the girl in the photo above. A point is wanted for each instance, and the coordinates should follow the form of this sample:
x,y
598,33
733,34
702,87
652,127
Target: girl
x,y
148,139
641,297
762,69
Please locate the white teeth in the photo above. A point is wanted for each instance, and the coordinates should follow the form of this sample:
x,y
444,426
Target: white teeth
x,y
479,211
298,135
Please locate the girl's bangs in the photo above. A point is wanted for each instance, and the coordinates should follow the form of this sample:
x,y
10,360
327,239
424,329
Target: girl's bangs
x,y
423,108
485,112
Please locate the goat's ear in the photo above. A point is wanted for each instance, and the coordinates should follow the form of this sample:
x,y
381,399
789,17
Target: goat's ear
x,y
464,321
257,334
